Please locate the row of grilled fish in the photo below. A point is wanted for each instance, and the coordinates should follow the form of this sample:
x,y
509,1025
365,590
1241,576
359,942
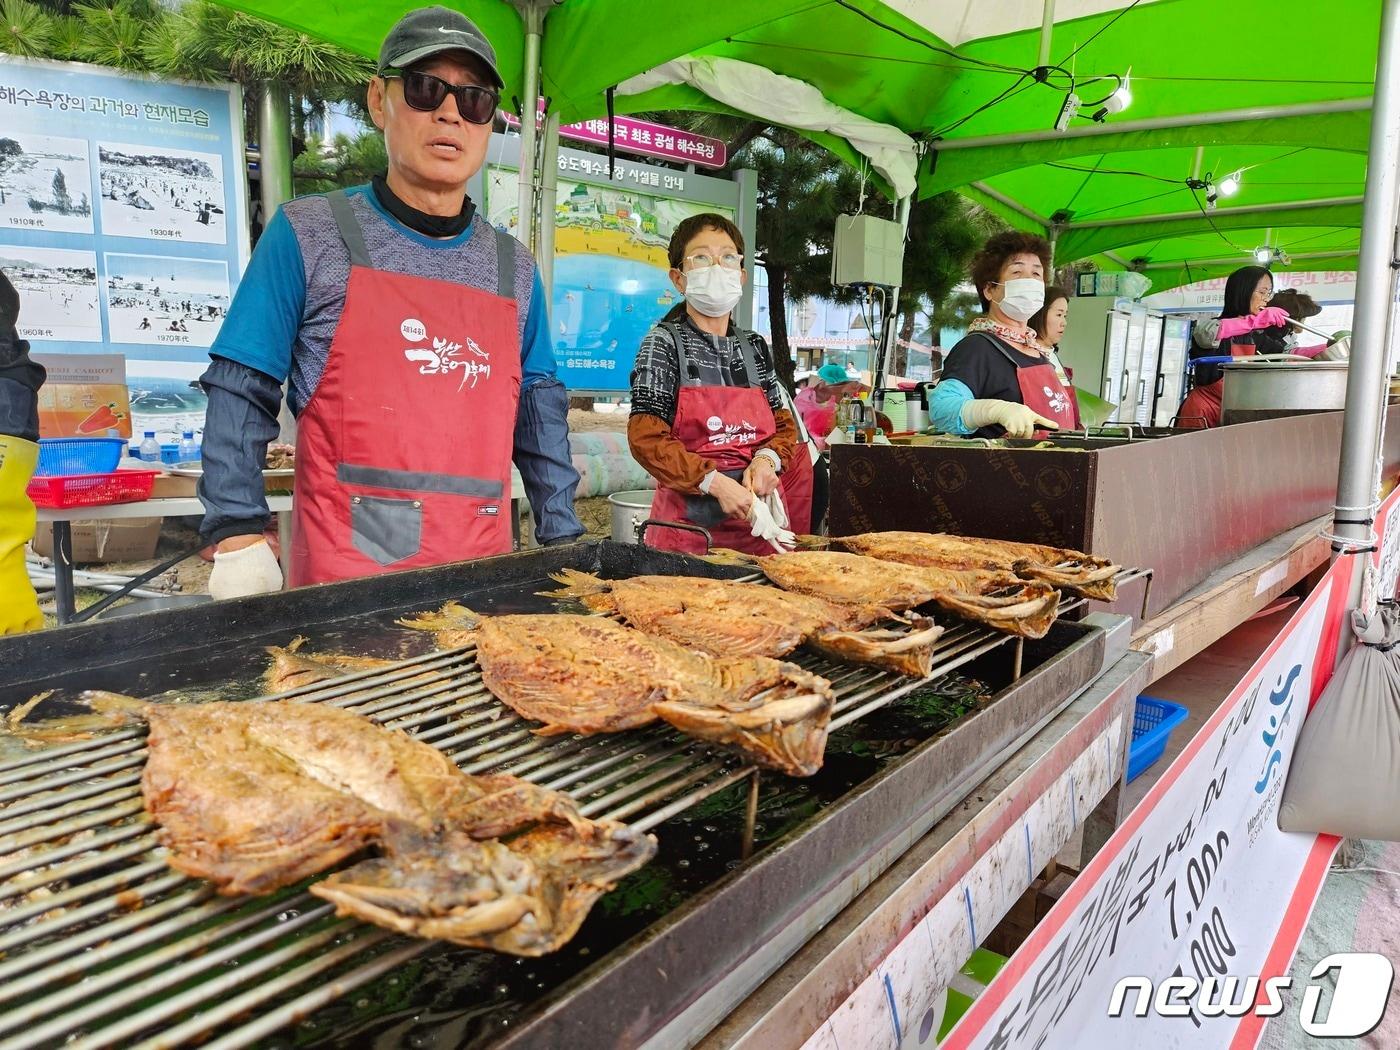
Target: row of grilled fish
x,y
702,654
497,862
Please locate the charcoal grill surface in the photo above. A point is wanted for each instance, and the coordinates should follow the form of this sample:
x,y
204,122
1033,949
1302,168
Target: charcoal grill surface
x,y
101,944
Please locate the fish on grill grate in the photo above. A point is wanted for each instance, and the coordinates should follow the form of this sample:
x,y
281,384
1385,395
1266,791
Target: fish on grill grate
x,y
1070,570
525,896
260,794
730,618
589,674
998,600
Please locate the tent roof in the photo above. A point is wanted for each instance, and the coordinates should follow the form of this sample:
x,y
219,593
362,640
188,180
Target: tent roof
x,y
1249,87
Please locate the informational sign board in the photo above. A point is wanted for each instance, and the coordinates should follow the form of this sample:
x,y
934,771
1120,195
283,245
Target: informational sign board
x,y
123,221
611,269
645,139
1199,883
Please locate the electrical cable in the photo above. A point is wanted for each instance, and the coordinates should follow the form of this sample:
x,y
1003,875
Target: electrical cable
x,y
1115,171
1195,196
1015,89
924,43
1107,25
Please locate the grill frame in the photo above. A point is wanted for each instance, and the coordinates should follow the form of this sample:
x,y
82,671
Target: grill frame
x,y
834,856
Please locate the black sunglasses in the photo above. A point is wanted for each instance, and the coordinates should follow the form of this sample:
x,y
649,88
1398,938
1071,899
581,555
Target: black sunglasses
x,y
425,92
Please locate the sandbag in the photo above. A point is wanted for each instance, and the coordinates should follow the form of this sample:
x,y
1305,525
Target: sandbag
x,y
1345,775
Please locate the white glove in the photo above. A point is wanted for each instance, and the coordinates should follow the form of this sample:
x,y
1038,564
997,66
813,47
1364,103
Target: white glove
x,y
777,508
250,570
764,527
1019,421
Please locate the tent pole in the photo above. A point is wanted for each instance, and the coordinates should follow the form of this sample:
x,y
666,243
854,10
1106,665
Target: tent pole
x,y
890,332
1047,29
1256,209
1364,422
549,181
533,15
1182,120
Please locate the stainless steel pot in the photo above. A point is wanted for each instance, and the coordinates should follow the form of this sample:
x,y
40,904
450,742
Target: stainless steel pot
x,y
1268,387
916,408
629,509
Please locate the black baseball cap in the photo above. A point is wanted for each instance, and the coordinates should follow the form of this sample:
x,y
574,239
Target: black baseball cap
x,y
429,31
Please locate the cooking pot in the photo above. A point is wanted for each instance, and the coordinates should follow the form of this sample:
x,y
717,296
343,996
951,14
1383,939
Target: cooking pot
x,y
916,407
629,509
1273,385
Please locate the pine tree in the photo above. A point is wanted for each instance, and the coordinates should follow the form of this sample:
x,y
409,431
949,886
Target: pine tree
x,y
61,200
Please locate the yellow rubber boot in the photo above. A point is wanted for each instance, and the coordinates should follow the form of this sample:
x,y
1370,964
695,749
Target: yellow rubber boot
x,y
19,608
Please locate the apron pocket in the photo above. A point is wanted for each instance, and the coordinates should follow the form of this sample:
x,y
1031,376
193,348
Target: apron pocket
x,y
386,530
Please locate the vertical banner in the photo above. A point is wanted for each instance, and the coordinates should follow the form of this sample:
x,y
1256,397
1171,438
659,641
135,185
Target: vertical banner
x,y
1198,883
123,222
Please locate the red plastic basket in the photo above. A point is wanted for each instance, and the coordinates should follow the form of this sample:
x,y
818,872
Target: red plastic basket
x,y
92,490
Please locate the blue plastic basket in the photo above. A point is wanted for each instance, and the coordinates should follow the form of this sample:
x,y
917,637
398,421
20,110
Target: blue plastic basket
x,y
63,456
1153,722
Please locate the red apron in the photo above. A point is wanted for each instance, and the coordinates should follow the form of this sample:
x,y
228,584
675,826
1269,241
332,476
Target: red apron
x,y
726,425
1201,409
1043,393
403,453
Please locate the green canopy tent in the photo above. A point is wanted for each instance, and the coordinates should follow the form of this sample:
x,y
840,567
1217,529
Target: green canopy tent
x,y
1214,88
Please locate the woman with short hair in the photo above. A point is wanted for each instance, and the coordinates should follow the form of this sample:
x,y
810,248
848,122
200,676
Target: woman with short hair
x,y
998,381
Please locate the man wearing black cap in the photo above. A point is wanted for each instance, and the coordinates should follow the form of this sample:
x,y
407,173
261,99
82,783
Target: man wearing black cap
x,y
416,342
20,379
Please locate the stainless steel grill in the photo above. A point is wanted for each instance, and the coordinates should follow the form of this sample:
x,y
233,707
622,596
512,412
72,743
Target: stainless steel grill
x,y
101,944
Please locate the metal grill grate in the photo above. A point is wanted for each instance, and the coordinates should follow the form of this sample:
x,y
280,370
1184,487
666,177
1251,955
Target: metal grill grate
x,y
101,943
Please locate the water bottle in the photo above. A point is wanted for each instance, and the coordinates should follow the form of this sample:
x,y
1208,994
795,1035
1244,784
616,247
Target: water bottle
x,y
150,448
189,451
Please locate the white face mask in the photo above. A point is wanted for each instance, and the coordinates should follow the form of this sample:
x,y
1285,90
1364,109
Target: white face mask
x,y
715,290
1024,296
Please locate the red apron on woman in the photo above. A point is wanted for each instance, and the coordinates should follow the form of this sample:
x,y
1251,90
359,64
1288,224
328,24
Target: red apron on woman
x,y
1042,392
404,451
723,424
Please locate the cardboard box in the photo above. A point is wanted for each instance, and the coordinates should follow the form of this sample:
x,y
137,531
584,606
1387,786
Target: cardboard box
x,y
126,539
85,395
168,486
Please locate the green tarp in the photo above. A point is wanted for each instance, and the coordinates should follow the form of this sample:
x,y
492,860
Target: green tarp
x,y
1188,59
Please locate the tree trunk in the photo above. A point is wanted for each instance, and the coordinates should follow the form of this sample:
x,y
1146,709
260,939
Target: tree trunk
x,y
777,320
899,363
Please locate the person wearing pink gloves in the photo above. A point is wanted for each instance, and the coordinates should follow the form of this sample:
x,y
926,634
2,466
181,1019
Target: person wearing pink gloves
x,y
1234,333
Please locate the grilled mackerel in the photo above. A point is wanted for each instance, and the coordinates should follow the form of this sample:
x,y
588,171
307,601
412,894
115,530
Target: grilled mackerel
x,y
728,618
998,600
257,795
1060,567
588,674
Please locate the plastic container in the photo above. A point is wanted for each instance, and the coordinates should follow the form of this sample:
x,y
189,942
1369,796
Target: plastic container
x,y
149,451
1153,722
92,490
79,455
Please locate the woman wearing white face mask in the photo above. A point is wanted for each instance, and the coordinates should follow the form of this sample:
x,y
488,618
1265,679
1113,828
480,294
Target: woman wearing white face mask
x,y
997,382
708,420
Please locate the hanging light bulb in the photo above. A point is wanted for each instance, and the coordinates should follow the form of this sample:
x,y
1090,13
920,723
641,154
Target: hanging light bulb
x,y
1263,255
1120,100
1230,184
